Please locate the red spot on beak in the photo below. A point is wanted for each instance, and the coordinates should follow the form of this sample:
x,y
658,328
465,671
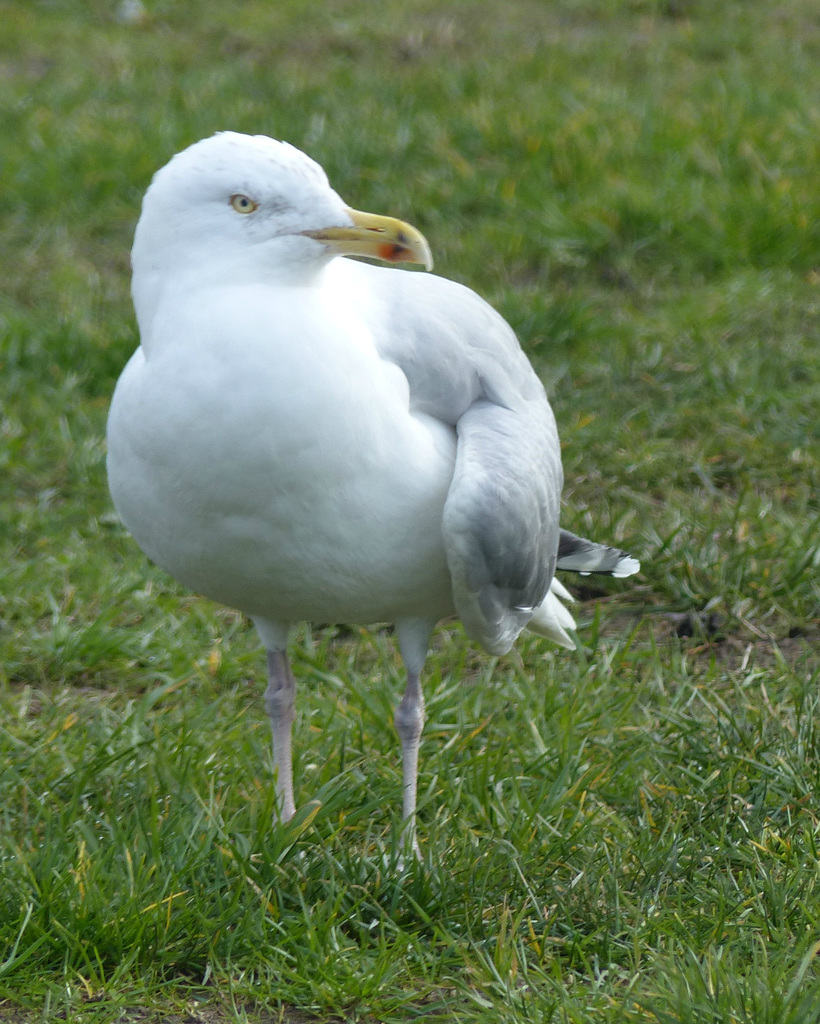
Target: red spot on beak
x,y
391,253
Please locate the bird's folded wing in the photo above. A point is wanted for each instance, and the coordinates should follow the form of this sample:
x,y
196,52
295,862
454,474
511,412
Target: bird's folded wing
x,y
501,520
464,366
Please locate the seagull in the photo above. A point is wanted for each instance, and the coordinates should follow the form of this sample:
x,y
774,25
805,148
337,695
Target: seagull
x,y
308,437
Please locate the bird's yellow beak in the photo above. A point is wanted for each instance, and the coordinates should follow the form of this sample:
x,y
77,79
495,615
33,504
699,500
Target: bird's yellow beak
x,y
383,238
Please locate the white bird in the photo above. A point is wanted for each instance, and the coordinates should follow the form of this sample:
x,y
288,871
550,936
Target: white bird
x,y
303,436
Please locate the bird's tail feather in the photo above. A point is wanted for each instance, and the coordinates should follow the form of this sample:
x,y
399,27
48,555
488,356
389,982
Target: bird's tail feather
x,y
585,556
551,619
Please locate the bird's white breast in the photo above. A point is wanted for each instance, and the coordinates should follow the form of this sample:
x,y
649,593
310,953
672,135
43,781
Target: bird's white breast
x,y
263,453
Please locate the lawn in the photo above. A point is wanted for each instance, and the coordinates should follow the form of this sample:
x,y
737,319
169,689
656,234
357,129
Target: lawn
x,y
629,832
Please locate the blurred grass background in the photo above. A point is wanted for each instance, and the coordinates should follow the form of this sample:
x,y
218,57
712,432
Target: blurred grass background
x,y
629,833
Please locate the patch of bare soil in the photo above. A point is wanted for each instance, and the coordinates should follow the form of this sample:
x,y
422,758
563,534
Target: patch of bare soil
x,y
711,636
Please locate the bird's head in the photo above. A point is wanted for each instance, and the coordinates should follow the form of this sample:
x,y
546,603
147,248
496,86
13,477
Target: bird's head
x,y
240,204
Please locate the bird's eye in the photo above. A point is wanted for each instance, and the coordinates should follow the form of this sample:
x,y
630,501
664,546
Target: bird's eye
x,y
243,204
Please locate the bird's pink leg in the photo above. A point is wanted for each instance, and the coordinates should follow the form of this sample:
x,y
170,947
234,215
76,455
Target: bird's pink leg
x,y
409,719
279,698
413,636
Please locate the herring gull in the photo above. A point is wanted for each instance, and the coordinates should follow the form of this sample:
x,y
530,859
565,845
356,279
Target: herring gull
x,y
304,436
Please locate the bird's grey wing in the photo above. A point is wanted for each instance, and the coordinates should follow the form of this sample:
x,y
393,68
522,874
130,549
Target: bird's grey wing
x,y
501,520
464,366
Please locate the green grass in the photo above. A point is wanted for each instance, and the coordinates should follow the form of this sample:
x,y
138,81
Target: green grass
x,y
627,833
